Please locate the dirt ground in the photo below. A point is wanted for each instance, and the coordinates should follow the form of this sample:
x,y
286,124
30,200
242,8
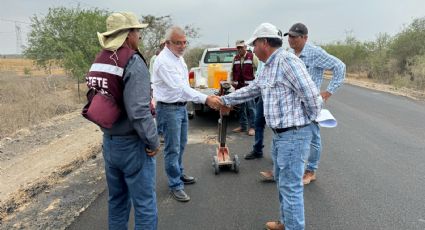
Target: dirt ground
x,y
51,172
37,159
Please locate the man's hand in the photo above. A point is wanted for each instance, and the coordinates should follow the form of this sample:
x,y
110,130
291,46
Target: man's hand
x,y
214,102
325,95
224,110
152,153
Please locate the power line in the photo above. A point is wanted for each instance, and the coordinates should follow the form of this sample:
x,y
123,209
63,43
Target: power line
x,y
13,21
82,3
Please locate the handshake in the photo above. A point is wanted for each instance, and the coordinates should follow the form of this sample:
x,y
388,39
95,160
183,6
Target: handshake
x,y
216,103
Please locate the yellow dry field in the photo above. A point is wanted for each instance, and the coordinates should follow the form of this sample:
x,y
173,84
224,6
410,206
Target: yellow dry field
x,y
29,95
26,67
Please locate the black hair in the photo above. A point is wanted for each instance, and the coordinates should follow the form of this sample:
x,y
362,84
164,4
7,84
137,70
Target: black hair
x,y
274,42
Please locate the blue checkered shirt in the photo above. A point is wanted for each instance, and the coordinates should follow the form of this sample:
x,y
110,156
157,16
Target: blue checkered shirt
x,y
317,60
290,96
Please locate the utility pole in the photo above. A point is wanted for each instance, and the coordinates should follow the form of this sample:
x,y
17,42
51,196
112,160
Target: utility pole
x,y
18,33
18,38
228,44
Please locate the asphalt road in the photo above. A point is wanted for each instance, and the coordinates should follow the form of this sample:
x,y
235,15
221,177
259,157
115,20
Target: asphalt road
x,y
371,176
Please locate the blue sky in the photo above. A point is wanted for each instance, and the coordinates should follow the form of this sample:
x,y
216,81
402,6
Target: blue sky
x,y
222,22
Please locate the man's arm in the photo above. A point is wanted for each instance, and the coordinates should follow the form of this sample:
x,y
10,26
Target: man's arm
x,y
298,76
171,78
330,62
241,95
137,101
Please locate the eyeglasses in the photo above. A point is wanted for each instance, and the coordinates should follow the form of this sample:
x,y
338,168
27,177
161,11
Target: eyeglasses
x,y
180,43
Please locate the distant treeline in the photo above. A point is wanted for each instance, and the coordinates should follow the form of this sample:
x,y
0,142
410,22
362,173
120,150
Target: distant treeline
x,y
397,60
11,56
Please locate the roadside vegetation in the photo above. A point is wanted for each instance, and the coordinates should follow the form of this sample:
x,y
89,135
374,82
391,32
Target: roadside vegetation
x,y
397,60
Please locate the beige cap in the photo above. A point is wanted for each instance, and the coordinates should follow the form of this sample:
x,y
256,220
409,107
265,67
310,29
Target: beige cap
x,y
117,25
240,43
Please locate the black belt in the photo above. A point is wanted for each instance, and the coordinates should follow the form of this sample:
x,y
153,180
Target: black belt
x,y
131,135
288,129
175,103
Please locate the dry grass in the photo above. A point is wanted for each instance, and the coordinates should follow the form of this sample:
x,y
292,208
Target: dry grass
x,y
361,79
26,100
26,67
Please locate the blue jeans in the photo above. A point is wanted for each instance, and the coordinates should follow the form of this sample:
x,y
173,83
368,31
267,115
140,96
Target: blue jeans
x,y
247,115
130,174
289,150
260,124
175,124
315,149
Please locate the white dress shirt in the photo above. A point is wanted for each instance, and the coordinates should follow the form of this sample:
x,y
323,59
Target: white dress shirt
x,y
170,80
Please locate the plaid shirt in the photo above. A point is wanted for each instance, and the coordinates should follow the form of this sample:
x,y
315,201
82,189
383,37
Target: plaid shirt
x,y
290,96
317,61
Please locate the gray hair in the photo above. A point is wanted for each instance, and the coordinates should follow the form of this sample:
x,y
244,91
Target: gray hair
x,y
174,29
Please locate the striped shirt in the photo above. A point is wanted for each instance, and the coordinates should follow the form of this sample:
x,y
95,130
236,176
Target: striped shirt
x,y
317,61
290,96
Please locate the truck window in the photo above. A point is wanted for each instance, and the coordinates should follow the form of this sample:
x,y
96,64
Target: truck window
x,y
220,56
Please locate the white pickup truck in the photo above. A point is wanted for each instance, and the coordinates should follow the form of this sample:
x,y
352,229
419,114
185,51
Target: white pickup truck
x,y
198,76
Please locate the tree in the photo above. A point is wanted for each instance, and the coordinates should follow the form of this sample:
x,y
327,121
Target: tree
x,y
193,55
152,35
352,52
66,37
408,43
377,58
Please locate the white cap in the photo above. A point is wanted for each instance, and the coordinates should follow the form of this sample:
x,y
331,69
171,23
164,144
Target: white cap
x,y
265,30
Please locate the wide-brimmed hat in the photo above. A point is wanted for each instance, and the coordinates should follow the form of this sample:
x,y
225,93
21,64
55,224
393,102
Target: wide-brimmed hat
x,y
265,30
117,25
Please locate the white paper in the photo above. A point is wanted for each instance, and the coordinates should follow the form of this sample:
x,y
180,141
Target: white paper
x,y
326,120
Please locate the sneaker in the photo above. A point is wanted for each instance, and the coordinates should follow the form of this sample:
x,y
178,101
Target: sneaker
x,y
238,130
267,176
275,225
309,176
253,155
251,132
